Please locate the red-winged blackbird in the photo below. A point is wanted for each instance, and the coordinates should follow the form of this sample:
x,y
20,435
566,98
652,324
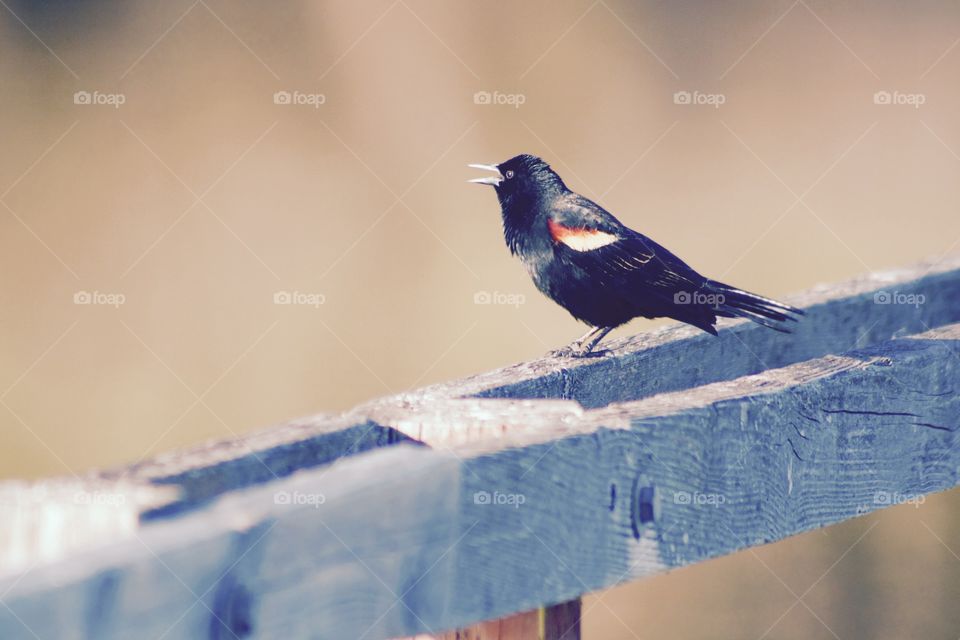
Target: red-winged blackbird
x,y
601,271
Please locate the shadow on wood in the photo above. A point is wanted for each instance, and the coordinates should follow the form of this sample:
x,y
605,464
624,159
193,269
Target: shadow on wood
x,y
485,497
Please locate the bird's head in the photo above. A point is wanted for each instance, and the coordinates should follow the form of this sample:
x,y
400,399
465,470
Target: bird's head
x,y
524,178
525,186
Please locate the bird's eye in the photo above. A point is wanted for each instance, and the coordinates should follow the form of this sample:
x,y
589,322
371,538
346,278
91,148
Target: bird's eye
x,y
509,174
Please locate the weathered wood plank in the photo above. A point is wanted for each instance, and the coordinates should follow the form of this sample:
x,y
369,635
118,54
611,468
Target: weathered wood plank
x,y
41,522
727,466
113,504
840,317
209,470
518,517
209,573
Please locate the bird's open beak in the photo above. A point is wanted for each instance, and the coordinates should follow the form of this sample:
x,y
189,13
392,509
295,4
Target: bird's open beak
x,y
493,181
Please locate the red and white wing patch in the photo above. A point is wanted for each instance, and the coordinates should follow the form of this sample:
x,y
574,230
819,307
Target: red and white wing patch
x,y
579,238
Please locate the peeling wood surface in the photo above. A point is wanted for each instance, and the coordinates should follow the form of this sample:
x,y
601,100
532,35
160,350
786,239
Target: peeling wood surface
x,y
440,510
409,540
840,317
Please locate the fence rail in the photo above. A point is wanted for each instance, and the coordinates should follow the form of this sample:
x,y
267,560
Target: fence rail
x,y
507,491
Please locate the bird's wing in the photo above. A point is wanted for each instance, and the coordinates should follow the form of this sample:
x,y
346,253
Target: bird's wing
x,y
605,253
588,236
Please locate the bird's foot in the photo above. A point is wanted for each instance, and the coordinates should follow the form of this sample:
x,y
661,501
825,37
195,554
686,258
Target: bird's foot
x,y
584,346
577,351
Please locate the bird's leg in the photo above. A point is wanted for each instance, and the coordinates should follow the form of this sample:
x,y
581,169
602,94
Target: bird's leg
x,y
575,348
598,334
579,341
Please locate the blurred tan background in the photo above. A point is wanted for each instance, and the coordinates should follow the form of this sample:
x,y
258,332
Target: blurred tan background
x,y
150,221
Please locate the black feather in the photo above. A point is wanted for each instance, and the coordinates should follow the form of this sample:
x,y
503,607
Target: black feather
x,y
626,275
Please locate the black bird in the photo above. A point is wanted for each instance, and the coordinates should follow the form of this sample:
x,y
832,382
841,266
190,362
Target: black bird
x,y
603,272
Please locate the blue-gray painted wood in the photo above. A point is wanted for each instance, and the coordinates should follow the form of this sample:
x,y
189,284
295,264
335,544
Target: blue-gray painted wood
x,y
534,507
284,560
841,317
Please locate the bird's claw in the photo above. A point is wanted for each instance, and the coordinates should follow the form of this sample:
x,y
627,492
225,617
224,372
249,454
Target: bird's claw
x,y
577,351
597,353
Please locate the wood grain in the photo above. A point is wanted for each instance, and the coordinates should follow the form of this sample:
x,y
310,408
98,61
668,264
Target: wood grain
x,y
407,540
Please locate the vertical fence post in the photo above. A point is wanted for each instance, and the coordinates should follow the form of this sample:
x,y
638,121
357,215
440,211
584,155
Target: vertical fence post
x,y
556,622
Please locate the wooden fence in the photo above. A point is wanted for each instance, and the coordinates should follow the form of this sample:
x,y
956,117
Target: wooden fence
x,y
508,491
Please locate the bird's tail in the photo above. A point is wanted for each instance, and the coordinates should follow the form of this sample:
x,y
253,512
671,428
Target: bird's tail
x,y
737,303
